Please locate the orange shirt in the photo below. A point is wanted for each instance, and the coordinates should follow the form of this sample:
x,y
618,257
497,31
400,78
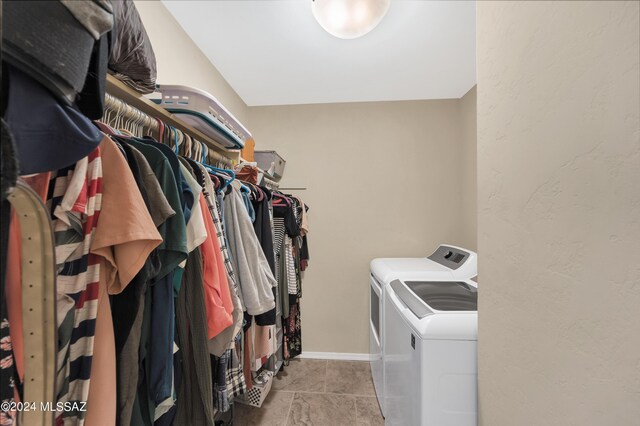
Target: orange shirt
x,y
217,298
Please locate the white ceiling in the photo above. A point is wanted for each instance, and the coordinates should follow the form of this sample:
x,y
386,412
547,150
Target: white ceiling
x,y
275,53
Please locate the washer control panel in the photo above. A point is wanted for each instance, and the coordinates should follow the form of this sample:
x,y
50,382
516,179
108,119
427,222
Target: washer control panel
x,y
451,257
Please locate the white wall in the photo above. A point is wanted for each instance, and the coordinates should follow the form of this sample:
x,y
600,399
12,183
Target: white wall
x,y
383,180
559,213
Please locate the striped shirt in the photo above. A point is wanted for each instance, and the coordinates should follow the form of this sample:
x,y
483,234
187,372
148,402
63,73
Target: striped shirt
x,y
74,200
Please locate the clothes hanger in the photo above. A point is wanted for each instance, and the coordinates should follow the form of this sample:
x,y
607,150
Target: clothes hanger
x,y
205,153
105,128
225,175
181,140
174,136
137,120
192,144
216,182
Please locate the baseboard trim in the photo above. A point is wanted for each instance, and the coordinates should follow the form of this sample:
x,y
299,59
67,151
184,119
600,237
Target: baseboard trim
x,y
342,356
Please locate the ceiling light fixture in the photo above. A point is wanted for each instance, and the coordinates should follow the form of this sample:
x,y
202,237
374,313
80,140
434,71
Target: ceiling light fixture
x,y
349,18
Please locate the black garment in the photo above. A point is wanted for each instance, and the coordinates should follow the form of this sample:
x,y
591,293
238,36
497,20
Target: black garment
x,y
304,250
268,318
91,99
264,227
283,208
195,394
9,167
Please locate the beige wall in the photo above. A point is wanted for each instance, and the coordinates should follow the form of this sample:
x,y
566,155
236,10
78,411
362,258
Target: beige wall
x,y
468,170
383,180
559,213
180,61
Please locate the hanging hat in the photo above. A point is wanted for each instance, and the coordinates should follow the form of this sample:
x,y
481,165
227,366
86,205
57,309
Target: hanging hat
x,y
48,134
53,42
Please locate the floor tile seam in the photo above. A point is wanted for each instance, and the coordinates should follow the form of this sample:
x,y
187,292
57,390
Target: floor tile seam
x,y
286,421
361,395
326,373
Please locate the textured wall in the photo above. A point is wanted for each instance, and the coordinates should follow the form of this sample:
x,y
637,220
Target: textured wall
x,y
559,213
180,61
383,180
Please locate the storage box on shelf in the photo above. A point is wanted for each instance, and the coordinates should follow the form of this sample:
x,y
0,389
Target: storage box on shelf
x,y
271,162
119,90
204,112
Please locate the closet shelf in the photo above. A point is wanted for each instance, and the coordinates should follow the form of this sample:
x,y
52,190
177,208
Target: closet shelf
x,y
119,90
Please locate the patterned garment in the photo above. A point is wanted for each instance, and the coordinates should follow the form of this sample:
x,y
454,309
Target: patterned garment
x,y
74,200
278,239
281,267
278,233
236,384
234,378
7,366
220,391
292,284
216,214
293,332
7,418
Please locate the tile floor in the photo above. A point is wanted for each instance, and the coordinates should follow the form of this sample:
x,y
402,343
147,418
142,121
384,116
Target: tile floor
x,y
311,392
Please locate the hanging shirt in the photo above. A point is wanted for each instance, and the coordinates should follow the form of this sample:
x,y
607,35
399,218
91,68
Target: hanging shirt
x,y
74,199
125,236
187,199
224,340
196,235
218,303
196,230
263,224
254,275
156,345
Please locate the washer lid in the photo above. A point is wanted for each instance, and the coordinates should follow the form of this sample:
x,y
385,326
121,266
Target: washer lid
x,y
436,310
446,295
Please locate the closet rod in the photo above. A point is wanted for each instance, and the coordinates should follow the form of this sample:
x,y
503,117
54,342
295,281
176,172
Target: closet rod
x,y
121,91
127,112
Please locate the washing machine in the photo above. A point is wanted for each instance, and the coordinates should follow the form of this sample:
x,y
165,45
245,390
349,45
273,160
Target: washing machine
x,y
447,262
431,334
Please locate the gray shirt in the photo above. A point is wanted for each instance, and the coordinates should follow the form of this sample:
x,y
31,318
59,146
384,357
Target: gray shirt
x,y
252,270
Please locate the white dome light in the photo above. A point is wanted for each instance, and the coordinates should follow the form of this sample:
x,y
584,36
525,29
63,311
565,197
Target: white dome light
x,y
349,18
